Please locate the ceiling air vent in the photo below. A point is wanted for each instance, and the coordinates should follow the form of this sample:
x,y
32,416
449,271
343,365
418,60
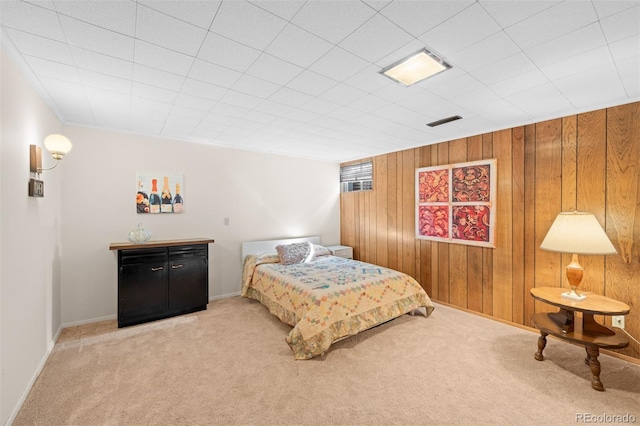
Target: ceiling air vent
x,y
444,120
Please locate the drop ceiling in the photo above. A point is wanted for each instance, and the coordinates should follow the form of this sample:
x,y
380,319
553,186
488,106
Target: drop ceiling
x,y
301,78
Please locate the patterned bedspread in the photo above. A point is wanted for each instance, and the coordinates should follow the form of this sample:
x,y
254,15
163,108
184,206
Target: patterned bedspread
x,y
329,298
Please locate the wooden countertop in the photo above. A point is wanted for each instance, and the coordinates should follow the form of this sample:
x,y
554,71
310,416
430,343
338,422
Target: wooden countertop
x,y
160,243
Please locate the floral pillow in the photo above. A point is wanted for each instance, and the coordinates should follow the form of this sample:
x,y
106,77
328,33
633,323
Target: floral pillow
x,y
295,253
321,250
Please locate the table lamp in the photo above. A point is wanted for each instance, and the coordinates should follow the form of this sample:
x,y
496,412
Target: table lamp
x,y
576,233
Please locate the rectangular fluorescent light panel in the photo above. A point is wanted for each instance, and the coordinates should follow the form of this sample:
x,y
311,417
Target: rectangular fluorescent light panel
x,y
415,68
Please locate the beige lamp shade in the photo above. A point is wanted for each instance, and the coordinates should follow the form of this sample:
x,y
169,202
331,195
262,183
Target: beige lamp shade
x,y
57,145
579,233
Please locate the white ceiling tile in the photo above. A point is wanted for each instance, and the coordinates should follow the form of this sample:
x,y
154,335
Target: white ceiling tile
x,y
339,64
369,80
46,68
545,99
418,17
255,87
325,108
163,59
625,48
229,110
298,47
605,8
70,99
195,12
623,25
153,92
158,78
227,53
571,44
491,49
311,83
343,94
588,78
375,39
345,113
578,63
33,45
102,63
186,115
142,104
552,23
368,103
260,117
320,106
165,31
469,26
31,19
475,97
203,90
519,83
144,125
272,69
334,23
48,4
240,99
104,81
284,9
507,13
194,102
397,92
214,74
270,107
103,100
258,28
114,15
113,119
503,112
504,69
97,39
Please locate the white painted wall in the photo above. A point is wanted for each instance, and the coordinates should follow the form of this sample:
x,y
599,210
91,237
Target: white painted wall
x,y
30,241
264,196
56,268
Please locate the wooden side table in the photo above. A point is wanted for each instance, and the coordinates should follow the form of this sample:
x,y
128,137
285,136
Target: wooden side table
x,y
565,325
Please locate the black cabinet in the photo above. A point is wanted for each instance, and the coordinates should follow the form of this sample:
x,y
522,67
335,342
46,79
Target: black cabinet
x,y
161,281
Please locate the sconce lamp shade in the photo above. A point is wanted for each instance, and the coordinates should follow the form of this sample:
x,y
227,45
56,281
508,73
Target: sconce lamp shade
x,y
579,233
57,145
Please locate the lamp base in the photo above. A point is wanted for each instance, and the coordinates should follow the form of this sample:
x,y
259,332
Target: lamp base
x,y
573,295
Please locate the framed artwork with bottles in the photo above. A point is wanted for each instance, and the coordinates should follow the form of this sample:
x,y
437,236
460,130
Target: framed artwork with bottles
x,y
158,193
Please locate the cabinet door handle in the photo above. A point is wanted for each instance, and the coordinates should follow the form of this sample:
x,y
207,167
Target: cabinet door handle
x,y
176,266
159,268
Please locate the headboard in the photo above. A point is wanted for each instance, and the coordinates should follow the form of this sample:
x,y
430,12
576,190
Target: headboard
x,y
257,247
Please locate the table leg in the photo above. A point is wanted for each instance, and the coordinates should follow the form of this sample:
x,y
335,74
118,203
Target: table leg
x,y
592,359
542,342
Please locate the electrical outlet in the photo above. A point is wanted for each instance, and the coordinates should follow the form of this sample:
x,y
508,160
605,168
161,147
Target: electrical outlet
x,y
618,321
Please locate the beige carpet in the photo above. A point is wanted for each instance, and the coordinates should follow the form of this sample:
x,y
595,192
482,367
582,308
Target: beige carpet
x,y
230,365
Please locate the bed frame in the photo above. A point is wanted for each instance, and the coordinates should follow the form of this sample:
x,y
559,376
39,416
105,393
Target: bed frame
x,y
257,247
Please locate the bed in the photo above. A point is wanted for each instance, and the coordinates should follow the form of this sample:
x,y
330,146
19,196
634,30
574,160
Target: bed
x,y
323,297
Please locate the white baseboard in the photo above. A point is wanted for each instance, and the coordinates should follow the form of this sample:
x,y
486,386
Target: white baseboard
x,y
224,296
89,321
36,373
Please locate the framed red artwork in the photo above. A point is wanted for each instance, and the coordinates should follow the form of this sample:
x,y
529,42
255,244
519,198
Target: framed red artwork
x,y
456,203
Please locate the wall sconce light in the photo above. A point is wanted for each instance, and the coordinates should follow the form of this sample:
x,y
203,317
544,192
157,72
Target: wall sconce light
x,y
58,146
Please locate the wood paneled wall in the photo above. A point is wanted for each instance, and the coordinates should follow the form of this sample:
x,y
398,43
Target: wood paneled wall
x,y
587,162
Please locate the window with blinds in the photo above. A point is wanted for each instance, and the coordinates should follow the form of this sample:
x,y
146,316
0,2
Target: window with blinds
x,y
356,177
